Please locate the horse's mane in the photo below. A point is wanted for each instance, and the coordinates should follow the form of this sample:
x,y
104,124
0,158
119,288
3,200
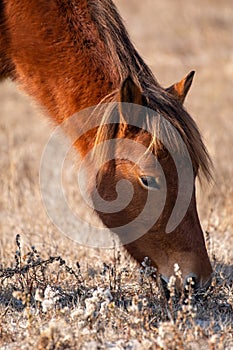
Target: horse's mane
x,y
127,60
117,42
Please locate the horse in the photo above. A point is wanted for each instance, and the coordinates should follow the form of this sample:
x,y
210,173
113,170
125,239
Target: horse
x,y
71,55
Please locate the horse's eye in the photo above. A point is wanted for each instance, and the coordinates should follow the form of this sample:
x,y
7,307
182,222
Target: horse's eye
x,y
149,182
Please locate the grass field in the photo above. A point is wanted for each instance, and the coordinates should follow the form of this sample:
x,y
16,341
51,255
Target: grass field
x,y
56,294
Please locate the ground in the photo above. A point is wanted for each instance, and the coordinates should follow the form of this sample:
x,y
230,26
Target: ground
x,y
55,294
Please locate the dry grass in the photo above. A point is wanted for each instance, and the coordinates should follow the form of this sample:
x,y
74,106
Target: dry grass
x,y
55,294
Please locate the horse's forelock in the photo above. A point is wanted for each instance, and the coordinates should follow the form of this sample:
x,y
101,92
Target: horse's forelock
x,y
168,124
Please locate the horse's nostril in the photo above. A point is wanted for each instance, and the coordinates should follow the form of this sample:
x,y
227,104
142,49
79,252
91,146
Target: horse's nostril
x,y
191,281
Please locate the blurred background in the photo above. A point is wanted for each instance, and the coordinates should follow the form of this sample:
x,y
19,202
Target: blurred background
x,y
174,37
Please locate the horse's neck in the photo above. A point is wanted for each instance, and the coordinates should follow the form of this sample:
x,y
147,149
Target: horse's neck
x,y
58,56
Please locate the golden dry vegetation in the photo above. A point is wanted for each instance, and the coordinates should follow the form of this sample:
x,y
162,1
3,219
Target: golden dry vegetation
x,y
56,294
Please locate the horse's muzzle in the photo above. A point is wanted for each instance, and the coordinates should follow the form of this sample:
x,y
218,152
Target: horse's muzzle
x,y
191,283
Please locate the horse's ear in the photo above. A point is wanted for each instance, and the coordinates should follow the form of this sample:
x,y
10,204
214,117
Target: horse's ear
x,y
130,92
181,88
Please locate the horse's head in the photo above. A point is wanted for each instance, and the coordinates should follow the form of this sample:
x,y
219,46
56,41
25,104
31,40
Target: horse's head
x,y
159,151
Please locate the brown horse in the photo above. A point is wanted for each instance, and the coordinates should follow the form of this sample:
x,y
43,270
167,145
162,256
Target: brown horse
x,y
70,55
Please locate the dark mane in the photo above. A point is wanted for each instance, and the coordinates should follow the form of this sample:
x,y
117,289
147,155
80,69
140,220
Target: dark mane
x,y
128,62
118,44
